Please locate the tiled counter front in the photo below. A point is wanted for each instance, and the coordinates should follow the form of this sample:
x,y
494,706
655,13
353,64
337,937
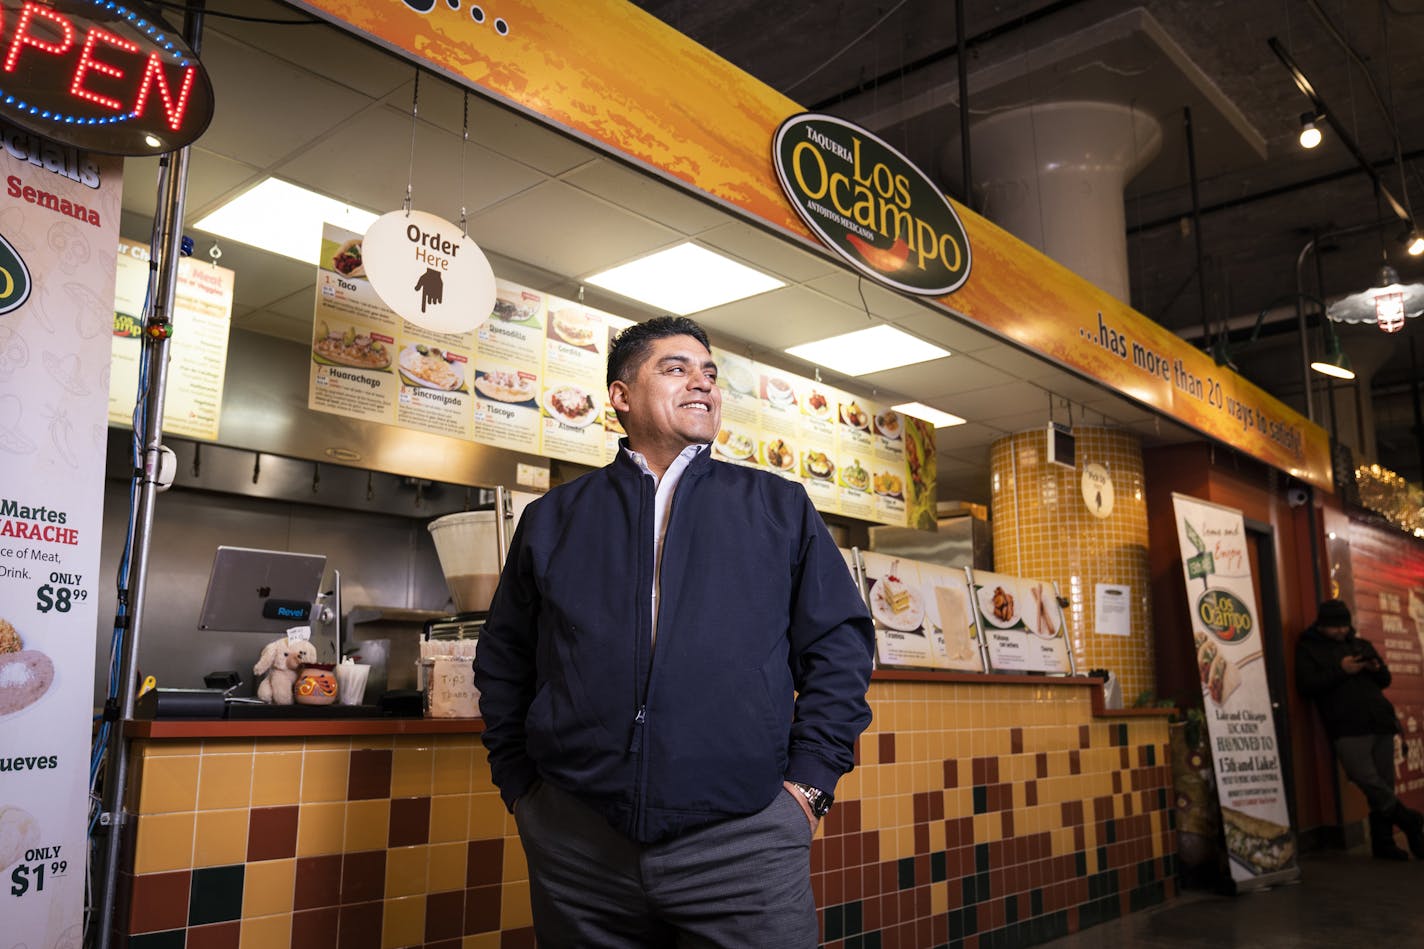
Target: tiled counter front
x,y
989,814
362,842
981,813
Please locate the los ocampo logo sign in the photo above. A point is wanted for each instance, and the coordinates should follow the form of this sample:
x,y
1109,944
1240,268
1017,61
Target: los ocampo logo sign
x,y
871,205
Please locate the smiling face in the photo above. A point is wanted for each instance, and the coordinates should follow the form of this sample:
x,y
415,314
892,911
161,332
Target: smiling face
x,y
671,401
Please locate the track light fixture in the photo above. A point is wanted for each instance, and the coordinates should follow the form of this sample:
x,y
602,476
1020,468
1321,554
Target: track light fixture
x,y
1334,363
1309,133
1414,242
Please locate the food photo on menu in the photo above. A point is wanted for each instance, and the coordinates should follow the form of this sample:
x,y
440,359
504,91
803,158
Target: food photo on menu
x,y
26,675
896,604
778,391
571,405
504,384
432,368
576,327
855,477
738,378
853,416
818,465
346,259
515,305
733,445
887,424
346,346
779,455
889,484
817,404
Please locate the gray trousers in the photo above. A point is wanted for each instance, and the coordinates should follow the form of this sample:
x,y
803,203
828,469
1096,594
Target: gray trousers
x,y
1368,761
734,884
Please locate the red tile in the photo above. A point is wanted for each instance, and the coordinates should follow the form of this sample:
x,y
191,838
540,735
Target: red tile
x,y
363,876
979,768
851,884
481,909
1016,740
1085,734
889,877
1040,762
159,902
922,838
922,872
410,821
1006,821
271,833
920,806
484,864
850,856
951,773
370,774
215,936
444,915
315,928
318,882
361,925
1031,793
834,891
1117,782
870,882
1075,761
937,805
835,853
518,939
870,915
851,815
887,748
818,855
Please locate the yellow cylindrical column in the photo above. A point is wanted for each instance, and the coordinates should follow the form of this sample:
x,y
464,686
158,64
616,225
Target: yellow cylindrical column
x,y
1081,527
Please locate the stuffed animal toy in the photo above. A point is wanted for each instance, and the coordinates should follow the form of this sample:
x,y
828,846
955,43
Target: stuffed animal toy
x,y
280,660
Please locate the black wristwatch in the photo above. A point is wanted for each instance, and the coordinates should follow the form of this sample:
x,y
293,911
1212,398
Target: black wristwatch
x,y
819,800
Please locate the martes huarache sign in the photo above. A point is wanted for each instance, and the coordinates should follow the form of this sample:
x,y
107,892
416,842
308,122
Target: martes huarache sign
x,y
871,205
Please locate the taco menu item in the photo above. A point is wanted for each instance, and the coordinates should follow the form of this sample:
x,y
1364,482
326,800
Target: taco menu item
x,y
25,676
1263,845
347,260
504,385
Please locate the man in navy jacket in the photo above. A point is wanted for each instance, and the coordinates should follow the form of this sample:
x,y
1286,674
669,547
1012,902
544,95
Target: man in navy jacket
x,y
672,678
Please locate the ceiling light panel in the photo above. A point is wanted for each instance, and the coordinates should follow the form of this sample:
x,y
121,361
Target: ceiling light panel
x,y
685,279
280,217
932,415
869,350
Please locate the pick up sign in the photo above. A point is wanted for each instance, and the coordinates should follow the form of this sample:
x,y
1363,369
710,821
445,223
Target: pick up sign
x,y
428,271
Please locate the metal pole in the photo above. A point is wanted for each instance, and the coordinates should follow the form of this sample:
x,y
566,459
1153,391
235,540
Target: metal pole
x,y
962,55
1196,223
169,225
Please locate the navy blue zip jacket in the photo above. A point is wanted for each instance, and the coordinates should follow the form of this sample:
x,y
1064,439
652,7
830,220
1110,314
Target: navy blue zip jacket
x,y
755,603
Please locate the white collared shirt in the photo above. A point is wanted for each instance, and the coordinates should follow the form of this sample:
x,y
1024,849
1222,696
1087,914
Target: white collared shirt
x,y
662,510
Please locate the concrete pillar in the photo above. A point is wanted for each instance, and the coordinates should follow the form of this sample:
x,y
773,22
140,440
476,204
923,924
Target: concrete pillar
x,y
1053,175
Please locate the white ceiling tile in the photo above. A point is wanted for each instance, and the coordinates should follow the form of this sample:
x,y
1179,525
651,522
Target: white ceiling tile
x,y
951,332
644,195
564,230
212,179
997,401
765,252
939,377
270,324
848,287
446,173
782,318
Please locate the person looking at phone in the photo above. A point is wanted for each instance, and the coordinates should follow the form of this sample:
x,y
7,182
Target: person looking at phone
x,y
1345,677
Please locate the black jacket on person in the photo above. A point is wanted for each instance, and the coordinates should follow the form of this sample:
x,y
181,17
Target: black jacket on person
x,y
762,661
1349,704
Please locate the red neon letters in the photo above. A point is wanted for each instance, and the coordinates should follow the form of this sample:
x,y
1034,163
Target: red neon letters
x,y
108,72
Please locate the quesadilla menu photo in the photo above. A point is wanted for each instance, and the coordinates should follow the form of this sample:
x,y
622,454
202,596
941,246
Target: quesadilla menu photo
x,y
1262,845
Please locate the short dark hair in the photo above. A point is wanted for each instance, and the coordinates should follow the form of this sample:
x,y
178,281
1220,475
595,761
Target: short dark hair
x,y
630,347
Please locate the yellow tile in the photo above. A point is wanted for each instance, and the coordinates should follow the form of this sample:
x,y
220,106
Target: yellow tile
x,y
447,867
412,772
320,829
165,842
266,932
276,778
224,780
220,838
406,870
449,817
368,825
482,941
487,812
514,912
324,775
267,888
452,769
278,746
516,867
168,783
329,744
404,923
162,749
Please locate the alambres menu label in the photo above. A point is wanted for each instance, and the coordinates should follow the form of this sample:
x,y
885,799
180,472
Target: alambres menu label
x,y
871,205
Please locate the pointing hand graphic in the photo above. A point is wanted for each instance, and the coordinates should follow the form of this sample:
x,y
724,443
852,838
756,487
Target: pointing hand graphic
x,y
431,286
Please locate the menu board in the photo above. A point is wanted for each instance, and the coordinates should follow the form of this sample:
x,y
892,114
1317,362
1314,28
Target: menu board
x,y
197,365
922,612
848,452
531,377
1022,622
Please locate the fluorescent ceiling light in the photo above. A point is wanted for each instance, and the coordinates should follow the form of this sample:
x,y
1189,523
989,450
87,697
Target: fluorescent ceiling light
x,y
280,217
868,350
934,416
684,279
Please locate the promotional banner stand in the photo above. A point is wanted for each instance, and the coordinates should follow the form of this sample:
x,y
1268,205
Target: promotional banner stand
x,y
157,327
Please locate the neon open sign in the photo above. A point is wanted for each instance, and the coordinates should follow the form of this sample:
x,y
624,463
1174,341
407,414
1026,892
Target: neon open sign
x,y
100,75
